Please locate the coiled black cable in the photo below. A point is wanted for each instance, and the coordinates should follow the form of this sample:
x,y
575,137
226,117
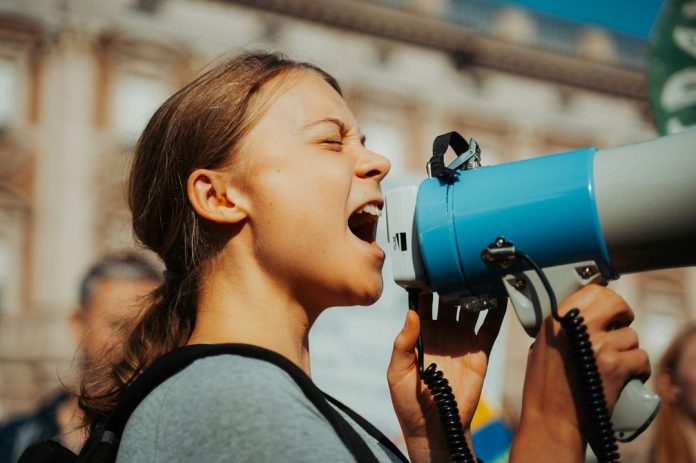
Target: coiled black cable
x,y
602,439
444,398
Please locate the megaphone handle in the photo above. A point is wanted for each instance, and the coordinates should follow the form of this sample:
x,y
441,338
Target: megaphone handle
x,y
635,409
603,439
636,406
530,299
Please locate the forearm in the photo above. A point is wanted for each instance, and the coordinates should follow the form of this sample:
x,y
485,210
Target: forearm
x,y
543,439
432,449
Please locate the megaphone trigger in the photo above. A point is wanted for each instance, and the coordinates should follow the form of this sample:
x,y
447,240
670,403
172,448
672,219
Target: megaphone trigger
x,y
529,298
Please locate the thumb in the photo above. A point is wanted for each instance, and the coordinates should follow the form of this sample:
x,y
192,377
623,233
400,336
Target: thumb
x,y
404,353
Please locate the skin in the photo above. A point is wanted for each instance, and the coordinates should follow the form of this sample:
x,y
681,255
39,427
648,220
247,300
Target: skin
x,y
305,176
307,170
679,389
94,328
457,350
552,425
96,325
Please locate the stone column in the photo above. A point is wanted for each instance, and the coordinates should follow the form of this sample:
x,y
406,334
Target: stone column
x,y
64,200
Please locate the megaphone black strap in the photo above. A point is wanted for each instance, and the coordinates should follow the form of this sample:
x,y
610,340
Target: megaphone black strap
x,y
440,146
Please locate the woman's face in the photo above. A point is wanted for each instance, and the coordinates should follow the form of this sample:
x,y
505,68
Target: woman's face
x,y
685,376
309,174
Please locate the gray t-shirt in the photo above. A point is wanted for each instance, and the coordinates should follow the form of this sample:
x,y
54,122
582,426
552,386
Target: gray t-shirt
x,y
230,408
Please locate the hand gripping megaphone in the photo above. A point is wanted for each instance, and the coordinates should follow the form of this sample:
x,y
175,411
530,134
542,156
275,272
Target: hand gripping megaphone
x,y
582,216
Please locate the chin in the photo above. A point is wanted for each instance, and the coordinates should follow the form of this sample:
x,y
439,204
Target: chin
x,y
371,294
359,290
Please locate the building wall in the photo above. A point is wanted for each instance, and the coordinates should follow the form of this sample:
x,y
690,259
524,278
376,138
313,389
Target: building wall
x,y
83,76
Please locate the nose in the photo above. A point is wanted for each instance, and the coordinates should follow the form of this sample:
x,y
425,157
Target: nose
x,y
372,165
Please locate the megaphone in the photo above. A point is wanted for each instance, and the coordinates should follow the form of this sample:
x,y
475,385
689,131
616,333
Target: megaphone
x,y
584,216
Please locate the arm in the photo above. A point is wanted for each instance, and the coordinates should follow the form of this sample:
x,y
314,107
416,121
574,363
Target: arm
x,y
551,424
460,353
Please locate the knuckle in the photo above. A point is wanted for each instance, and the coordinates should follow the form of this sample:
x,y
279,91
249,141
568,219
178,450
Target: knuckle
x,y
616,302
620,303
608,363
633,335
630,313
598,341
399,343
643,368
594,291
584,298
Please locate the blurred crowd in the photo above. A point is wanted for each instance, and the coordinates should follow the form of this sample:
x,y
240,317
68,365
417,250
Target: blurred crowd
x,y
112,288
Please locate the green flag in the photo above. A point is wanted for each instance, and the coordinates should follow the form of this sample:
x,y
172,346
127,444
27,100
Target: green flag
x,y
672,66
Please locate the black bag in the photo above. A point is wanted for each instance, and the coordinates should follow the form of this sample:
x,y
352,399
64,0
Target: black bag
x,y
102,445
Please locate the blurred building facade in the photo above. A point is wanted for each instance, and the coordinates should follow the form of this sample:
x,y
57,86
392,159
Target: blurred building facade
x,y
79,78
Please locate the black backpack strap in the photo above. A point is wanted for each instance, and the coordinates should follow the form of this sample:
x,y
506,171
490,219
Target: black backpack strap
x,y
47,452
177,360
368,427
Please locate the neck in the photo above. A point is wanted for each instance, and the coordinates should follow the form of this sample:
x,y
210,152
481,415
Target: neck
x,y
242,304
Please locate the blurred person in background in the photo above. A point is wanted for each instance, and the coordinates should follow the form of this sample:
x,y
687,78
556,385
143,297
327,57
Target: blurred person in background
x,y
109,292
254,186
675,438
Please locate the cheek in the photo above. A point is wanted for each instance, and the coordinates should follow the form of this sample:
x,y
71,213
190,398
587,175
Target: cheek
x,y
300,198
299,215
301,232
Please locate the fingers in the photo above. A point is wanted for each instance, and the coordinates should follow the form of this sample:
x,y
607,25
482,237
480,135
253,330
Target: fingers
x,y
620,340
609,311
637,364
601,308
403,355
617,368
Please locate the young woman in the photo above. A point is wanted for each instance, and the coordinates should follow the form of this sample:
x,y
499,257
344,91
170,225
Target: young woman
x,y
675,440
254,186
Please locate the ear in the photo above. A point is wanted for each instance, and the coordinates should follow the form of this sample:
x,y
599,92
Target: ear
x,y
214,198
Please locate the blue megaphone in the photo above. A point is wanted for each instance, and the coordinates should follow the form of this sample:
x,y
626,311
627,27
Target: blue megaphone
x,y
584,216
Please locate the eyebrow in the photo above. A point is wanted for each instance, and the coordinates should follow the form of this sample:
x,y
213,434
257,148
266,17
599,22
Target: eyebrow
x,y
338,122
330,120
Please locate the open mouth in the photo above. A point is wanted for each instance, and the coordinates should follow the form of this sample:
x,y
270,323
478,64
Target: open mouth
x,y
363,222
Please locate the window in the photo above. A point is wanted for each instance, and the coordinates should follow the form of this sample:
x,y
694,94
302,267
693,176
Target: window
x,y
12,236
4,275
135,99
8,92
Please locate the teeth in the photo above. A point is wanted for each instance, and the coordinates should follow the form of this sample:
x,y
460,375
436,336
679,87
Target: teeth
x,y
372,209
